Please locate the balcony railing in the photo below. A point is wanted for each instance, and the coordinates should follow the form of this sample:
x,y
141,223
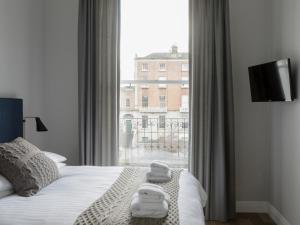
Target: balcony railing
x,y
143,140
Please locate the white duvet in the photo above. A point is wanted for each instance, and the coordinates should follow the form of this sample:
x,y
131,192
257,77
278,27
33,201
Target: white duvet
x,y
64,200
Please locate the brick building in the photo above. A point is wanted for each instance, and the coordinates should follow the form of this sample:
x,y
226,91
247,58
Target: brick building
x,y
154,106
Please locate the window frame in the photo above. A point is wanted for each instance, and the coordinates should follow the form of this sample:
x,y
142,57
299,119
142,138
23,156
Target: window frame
x,y
144,67
145,99
160,67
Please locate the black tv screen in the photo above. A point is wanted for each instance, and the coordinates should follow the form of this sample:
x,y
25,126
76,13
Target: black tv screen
x,y
271,81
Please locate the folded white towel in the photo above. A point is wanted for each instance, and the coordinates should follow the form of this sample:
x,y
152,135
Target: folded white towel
x,y
151,177
151,185
149,199
149,210
159,170
149,214
160,165
151,191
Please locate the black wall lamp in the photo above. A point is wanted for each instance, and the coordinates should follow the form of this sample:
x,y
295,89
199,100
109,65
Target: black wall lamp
x,y
40,127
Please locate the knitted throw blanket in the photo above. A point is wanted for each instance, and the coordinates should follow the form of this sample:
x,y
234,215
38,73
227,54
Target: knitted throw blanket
x,y
113,208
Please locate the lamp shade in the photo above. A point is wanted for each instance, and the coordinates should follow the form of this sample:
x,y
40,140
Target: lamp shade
x,y
39,125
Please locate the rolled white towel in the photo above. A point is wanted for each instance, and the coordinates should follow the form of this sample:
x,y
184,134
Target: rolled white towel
x,y
160,165
148,210
159,178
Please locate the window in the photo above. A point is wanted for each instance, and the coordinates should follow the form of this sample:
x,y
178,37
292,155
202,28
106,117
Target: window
x,y
144,122
186,82
144,66
184,104
162,121
127,102
145,101
162,67
162,101
163,85
153,60
184,67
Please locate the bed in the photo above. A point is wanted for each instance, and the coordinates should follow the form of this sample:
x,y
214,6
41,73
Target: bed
x,y
61,202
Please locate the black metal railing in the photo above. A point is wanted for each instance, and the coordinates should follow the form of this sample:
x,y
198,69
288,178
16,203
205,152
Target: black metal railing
x,y
162,134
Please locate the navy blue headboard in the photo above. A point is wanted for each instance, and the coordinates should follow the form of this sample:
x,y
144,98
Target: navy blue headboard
x,y
11,119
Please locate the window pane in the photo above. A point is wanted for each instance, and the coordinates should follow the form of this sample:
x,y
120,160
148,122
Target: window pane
x,y
154,89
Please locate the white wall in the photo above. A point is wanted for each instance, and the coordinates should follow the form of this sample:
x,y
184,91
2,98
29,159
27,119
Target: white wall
x,y
21,58
38,62
285,148
61,86
250,38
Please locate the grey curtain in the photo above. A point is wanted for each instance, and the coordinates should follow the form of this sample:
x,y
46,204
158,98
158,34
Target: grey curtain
x,y
98,60
212,116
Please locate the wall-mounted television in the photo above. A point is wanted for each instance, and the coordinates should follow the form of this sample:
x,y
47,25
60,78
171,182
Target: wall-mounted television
x,y
272,82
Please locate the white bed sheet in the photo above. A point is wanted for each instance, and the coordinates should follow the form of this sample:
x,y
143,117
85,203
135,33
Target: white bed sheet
x,y
61,202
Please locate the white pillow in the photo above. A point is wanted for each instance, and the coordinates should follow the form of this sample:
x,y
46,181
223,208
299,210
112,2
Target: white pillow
x,y
5,185
5,193
55,157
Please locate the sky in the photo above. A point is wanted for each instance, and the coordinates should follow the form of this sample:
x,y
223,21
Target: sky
x,y
151,26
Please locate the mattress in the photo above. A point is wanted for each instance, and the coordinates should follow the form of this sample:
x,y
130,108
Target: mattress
x,y
64,200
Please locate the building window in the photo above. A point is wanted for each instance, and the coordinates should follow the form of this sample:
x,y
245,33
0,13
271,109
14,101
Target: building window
x,y
162,121
185,101
186,83
162,85
145,67
162,67
162,101
184,67
145,101
127,102
144,121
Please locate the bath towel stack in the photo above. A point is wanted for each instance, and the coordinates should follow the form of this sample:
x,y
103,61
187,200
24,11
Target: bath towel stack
x,y
150,201
159,172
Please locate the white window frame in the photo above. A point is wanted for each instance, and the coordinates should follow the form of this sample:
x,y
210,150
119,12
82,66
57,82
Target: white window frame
x,y
162,101
184,101
145,67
